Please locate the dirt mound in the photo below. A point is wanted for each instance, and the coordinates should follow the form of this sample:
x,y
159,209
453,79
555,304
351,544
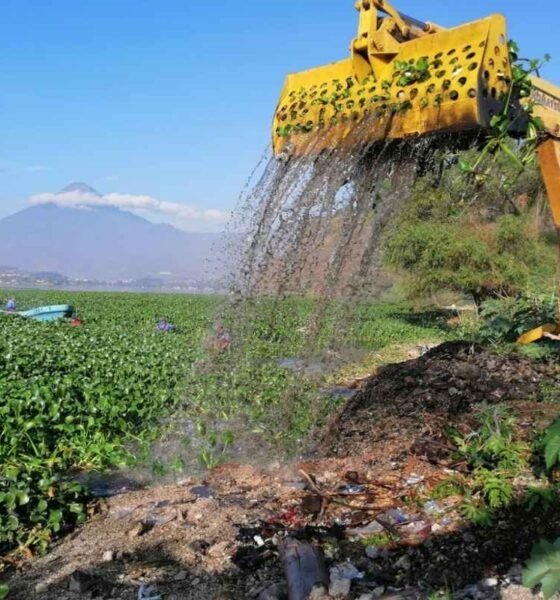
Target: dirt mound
x,y
447,381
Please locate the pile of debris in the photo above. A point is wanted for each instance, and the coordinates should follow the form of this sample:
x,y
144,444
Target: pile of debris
x,y
364,539
448,381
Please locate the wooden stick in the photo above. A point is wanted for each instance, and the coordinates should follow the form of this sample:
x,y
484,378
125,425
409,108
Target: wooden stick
x,y
330,498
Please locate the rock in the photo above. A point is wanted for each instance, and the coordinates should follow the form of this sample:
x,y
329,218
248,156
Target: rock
x,y
469,538
403,563
41,587
471,591
202,491
140,529
340,588
148,592
199,546
517,592
373,552
312,504
108,556
272,592
80,582
514,574
342,575
318,593
345,570
218,549
369,596
489,582
378,592
181,576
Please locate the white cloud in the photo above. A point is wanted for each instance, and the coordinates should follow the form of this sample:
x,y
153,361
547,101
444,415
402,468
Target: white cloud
x,y
183,214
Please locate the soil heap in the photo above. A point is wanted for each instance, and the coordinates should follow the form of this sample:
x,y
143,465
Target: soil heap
x,y
448,381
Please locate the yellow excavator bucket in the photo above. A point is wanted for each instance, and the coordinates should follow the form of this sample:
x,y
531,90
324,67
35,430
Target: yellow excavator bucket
x,y
403,78
538,334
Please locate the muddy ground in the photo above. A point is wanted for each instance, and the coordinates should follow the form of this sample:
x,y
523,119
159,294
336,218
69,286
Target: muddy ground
x,y
378,458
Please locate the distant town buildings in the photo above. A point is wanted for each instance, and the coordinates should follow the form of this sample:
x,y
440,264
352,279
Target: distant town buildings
x,y
164,282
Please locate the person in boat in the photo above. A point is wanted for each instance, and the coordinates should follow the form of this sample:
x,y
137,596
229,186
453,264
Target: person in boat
x,y
222,339
11,305
165,325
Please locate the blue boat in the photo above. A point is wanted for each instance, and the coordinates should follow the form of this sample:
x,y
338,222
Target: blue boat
x,y
48,313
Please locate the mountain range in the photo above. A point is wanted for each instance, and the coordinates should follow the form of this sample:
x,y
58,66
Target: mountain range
x,y
105,243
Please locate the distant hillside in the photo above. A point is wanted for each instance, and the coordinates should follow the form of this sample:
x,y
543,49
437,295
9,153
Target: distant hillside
x,y
104,243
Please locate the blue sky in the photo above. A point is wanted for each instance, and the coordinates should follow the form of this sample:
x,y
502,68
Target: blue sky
x,y
172,99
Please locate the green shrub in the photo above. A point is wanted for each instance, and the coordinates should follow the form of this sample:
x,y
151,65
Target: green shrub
x,y
454,256
486,241
505,319
496,457
494,444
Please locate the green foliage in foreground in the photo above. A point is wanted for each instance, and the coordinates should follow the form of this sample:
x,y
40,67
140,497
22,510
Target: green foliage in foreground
x,y
551,446
543,568
496,457
73,397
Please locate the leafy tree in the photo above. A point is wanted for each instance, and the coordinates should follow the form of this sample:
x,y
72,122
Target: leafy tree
x,y
481,240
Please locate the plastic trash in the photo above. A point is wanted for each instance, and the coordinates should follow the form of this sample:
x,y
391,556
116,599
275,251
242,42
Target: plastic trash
x,y
372,528
396,515
353,488
416,533
149,592
345,571
433,508
414,479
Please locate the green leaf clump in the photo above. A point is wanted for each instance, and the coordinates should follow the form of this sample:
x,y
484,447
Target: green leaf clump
x,y
551,444
543,568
